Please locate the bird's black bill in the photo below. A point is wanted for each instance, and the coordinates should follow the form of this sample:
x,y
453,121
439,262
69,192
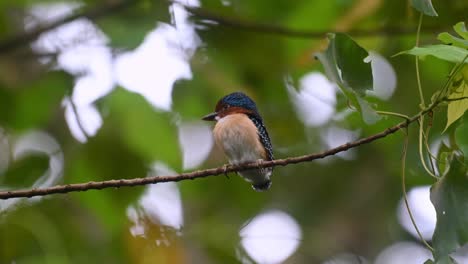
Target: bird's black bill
x,y
210,117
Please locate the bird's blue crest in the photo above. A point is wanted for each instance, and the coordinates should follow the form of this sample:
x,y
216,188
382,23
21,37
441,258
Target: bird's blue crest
x,y
239,99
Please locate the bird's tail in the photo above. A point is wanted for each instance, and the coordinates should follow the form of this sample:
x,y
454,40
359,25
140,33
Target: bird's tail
x,y
262,186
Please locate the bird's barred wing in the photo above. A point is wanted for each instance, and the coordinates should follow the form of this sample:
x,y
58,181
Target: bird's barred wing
x,y
263,134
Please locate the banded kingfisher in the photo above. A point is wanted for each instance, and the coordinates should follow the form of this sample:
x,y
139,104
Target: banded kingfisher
x,y
241,134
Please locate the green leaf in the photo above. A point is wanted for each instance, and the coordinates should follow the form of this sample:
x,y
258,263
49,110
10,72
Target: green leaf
x,y
424,6
456,41
355,73
461,138
448,39
456,108
345,56
369,115
443,52
147,131
443,159
450,199
445,260
343,62
461,30
329,65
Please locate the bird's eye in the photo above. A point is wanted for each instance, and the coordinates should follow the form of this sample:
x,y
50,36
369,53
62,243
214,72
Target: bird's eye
x,y
226,107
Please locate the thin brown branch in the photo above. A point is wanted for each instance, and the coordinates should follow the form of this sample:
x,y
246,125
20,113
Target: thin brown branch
x,y
90,13
205,173
257,27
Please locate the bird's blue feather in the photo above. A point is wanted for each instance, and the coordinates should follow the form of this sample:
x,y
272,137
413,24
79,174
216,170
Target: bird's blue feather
x,y
239,99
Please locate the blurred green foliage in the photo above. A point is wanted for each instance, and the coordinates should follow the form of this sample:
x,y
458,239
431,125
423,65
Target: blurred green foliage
x,y
341,205
450,198
127,28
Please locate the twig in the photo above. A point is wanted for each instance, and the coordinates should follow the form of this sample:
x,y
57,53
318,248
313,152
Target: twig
x,y
405,195
297,33
418,79
421,149
392,114
29,36
209,172
77,116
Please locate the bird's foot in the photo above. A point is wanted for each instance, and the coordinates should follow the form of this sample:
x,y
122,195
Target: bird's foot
x,y
259,165
225,167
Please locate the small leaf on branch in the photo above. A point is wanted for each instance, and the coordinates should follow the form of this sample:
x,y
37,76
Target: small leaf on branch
x,y
449,39
424,6
441,51
461,138
355,73
450,198
369,115
458,103
461,30
443,159
344,63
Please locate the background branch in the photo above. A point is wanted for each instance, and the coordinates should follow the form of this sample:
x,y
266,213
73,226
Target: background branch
x,y
111,7
209,172
243,24
24,38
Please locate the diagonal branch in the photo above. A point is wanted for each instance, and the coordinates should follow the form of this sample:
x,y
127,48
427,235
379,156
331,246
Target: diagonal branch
x,y
209,172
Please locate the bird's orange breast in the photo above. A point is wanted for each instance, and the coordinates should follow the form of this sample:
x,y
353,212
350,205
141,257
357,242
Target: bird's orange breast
x,y
237,136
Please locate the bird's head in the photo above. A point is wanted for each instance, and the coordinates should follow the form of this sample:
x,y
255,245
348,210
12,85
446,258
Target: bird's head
x,y
232,104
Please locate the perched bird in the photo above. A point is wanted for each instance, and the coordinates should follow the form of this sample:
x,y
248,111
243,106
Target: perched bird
x,y
240,133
